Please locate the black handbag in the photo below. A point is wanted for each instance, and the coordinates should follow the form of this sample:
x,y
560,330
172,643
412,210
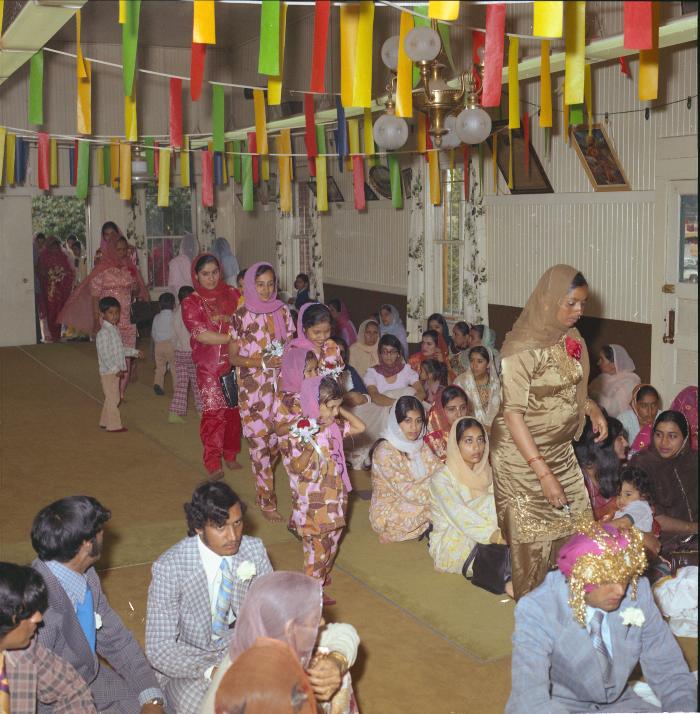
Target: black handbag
x,y
491,568
229,386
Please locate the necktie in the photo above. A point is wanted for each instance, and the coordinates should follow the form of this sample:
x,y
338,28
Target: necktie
x,y
223,600
599,646
4,687
85,612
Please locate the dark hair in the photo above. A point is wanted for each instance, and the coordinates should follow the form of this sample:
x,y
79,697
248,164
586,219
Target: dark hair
x,y
184,291
310,355
390,341
315,314
578,281
335,304
265,268
601,455
72,237
329,389
432,334
480,350
60,529
479,329
644,391
40,236
462,327
450,393
640,480
608,353
204,260
210,503
343,346
443,324
107,302
22,593
122,238
304,277
435,369
671,415
110,224
467,423
241,275
166,301
77,243
408,404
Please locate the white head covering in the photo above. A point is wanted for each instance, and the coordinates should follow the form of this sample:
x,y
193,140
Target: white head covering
x,y
189,246
395,327
395,436
623,362
477,478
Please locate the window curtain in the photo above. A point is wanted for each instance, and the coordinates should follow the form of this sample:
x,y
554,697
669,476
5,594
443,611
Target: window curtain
x,y
315,252
474,278
415,284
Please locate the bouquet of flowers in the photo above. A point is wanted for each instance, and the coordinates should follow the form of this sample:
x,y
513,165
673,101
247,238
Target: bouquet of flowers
x,y
304,429
274,349
330,368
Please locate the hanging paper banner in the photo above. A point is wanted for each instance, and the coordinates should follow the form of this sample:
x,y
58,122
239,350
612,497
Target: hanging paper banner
x,y
318,64
575,51
465,160
237,148
269,52
274,82
265,168
478,40
545,86
43,180
217,116
547,141
207,178
122,11
443,10
21,157
526,141
106,169
395,182
321,171
10,144
229,158
36,88
125,171
81,190
576,114
510,159
131,131
284,147
649,62
130,43
493,54
84,80
404,75
310,135
197,58
3,136
434,171
368,137
2,10
566,124
185,162
53,177
149,142
253,150
638,18
73,163
362,79
354,136
588,98
260,120
164,178
114,162
513,85
349,21
358,183
176,113
247,165
204,22
624,67
342,140
548,19
422,134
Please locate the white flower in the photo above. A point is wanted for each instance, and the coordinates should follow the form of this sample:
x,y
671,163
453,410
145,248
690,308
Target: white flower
x,y
245,571
632,616
98,621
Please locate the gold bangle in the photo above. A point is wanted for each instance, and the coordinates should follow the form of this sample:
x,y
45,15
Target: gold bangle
x,y
535,458
342,661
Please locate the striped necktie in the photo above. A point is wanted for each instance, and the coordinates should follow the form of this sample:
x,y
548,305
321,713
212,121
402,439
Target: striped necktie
x,y
223,601
4,687
599,646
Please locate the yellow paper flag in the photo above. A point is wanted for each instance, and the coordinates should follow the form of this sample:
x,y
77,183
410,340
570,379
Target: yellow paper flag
x,y
588,97
434,170
260,121
545,86
575,51
548,19
3,133
404,74
321,184
53,170
513,85
274,84
163,177
283,144
185,162
349,21
10,159
421,142
122,11
84,109
125,171
443,9
362,81
130,120
204,25
2,10
649,62
354,136
114,163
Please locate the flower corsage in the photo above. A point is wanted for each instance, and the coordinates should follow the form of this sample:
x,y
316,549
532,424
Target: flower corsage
x,y
573,348
632,616
246,570
274,349
305,429
330,368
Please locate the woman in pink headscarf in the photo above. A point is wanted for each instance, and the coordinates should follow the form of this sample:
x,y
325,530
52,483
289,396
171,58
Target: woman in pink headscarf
x,y
261,328
56,277
343,326
686,402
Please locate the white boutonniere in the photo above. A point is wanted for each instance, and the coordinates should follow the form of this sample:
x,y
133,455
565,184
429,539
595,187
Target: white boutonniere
x,y
632,616
98,621
245,571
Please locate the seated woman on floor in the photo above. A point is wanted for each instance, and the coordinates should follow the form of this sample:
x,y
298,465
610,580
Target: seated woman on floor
x,y
429,349
390,324
365,352
433,377
342,324
639,418
438,323
450,406
482,385
612,388
686,402
483,335
402,465
392,377
459,360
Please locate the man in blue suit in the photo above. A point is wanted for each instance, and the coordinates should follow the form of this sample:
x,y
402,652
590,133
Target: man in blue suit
x,y
579,635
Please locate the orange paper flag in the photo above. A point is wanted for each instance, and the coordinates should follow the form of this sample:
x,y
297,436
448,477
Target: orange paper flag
x,y
404,74
204,24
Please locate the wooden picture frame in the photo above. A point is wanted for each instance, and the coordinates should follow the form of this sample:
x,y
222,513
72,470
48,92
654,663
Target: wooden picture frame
x,y
536,180
599,158
334,193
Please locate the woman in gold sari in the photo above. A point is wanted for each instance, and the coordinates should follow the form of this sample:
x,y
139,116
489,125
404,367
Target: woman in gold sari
x,y
538,484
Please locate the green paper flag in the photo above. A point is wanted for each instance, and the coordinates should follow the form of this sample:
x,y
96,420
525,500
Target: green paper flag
x,y
237,161
547,141
420,19
247,165
150,159
576,114
395,176
106,165
130,41
217,116
321,139
81,186
36,88
269,54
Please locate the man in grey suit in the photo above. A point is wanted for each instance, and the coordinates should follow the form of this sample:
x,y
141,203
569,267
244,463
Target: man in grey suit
x,y
79,624
579,635
196,591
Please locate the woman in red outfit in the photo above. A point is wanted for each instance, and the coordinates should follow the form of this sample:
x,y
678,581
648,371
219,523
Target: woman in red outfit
x,y
207,314
56,277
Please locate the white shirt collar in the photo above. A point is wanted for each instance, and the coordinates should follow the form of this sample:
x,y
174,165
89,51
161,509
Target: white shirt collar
x,y
590,613
210,560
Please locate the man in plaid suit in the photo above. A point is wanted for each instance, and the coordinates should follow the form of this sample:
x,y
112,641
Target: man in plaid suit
x,y
196,591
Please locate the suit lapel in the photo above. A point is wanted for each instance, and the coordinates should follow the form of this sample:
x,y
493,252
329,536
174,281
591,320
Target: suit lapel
x,y
625,639
196,589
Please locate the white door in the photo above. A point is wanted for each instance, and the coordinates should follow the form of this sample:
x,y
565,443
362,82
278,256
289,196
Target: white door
x,y
675,326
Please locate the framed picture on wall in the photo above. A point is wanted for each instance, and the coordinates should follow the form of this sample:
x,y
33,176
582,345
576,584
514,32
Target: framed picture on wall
x,y
527,177
599,159
406,179
334,194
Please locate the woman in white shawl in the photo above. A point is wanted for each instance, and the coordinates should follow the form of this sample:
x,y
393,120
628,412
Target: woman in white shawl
x,y
401,468
221,248
483,335
613,387
364,352
462,506
390,324
180,267
481,385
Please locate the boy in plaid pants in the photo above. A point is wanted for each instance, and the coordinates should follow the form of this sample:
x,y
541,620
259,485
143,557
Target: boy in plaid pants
x,y
185,374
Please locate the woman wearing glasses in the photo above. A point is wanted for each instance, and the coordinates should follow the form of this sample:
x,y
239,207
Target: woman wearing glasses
x,y
392,377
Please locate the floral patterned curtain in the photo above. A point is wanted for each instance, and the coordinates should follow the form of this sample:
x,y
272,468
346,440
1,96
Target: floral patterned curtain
x,y
415,284
284,251
474,279
315,252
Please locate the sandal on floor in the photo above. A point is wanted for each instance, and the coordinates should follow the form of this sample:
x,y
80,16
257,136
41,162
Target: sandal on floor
x,y
216,475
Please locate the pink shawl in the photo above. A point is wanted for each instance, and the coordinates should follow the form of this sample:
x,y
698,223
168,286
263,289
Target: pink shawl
x,y
346,329
264,307
686,402
301,340
292,371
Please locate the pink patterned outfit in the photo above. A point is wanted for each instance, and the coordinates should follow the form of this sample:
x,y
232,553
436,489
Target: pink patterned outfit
x,y
118,283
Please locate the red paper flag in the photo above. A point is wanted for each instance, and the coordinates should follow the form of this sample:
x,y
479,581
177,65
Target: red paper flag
x,y
624,67
44,172
638,22
74,173
526,140
252,149
199,53
207,179
176,113
318,65
310,137
478,41
465,155
493,54
358,182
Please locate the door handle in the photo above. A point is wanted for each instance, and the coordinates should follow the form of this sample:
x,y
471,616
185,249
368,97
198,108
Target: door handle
x,y
670,335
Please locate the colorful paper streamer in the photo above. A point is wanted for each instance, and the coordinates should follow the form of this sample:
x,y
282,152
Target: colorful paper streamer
x,y
175,119
197,59
150,142
310,133
395,181
649,63
260,121
10,145
342,134
513,85
44,161
253,150
3,137
269,50
100,167
207,178
130,43
36,88
83,181
185,162
217,116
545,86
274,82
638,21
493,54
548,19
575,47
164,178
284,147
237,171
125,171
321,171
443,10
362,78
322,15
404,75
204,22
84,82
349,21
114,162
131,131
247,166
53,166
358,183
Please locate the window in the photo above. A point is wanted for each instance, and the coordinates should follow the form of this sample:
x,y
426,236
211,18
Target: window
x,y
164,230
450,245
688,271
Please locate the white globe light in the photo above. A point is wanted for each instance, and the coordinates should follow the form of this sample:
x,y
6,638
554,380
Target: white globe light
x,y
422,44
450,140
390,132
390,52
473,125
